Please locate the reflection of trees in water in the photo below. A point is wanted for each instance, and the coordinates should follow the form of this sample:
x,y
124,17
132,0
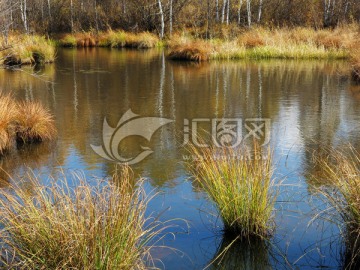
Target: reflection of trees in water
x,y
245,254
92,84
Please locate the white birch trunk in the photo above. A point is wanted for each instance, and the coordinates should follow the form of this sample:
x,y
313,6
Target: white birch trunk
x,y
260,11
162,20
171,17
248,7
239,11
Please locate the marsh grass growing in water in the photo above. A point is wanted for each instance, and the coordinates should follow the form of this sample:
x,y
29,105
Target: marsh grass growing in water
x,y
8,114
243,190
60,226
27,49
34,123
24,122
340,170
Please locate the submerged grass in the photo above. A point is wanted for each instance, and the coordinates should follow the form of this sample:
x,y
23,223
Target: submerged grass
x,y
243,190
34,123
83,227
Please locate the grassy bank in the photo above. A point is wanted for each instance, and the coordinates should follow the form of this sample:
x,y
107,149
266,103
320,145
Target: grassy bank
x,y
84,227
27,49
261,43
24,122
112,39
243,190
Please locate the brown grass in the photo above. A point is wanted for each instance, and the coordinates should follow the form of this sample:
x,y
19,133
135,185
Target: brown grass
x,y
27,49
34,123
113,39
8,113
194,51
71,224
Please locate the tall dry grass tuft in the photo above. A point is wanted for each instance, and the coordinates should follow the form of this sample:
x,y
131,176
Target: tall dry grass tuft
x,y
34,123
60,226
8,113
194,51
28,49
340,170
144,40
242,189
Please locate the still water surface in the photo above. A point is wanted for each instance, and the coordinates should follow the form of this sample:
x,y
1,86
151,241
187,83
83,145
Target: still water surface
x,y
309,103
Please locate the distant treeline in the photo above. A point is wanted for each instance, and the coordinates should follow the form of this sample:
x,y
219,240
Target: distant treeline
x,y
165,16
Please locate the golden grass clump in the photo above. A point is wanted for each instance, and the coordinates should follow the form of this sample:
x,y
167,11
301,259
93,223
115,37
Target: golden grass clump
x,y
112,39
144,40
242,189
341,169
8,113
194,51
28,49
34,123
69,224
251,39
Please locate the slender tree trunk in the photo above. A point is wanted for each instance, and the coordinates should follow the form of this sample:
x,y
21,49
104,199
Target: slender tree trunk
x,y
248,7
49,8
217,10
72,16
162,20
96,16
171,17
239,11
223,11
23,10
227,12
260,11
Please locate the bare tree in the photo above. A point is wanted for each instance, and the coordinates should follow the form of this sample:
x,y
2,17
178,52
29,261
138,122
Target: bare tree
x,y
260,11
23,10
227,12
223,11
162,31
239,11
248,7
171,17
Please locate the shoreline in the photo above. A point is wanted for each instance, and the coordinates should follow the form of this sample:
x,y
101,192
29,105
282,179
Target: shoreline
x,y
341,43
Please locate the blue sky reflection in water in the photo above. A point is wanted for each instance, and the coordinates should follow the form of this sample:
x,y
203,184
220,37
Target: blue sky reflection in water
x,y
310,104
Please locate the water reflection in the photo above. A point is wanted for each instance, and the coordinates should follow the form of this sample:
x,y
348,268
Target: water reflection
x,y
309,104
242,255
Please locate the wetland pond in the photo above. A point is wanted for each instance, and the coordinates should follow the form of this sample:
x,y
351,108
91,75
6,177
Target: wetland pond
x,y
310,104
